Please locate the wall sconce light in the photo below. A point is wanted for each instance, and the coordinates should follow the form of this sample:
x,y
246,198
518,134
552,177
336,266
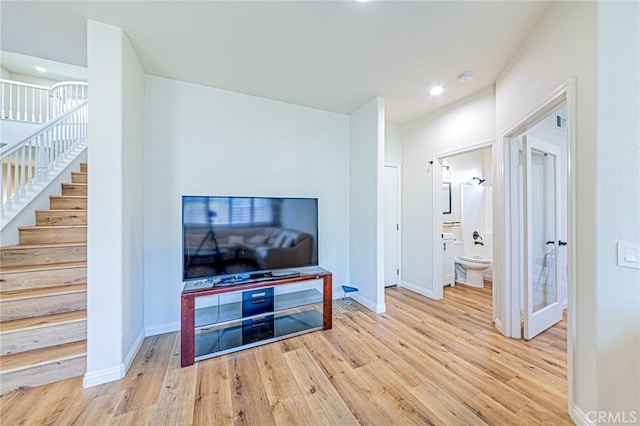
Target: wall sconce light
x,y
446,173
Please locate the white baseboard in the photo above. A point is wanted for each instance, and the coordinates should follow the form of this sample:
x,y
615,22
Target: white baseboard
x,y
579,417
368,303
167,327
95,378
417,289
498,325
133,351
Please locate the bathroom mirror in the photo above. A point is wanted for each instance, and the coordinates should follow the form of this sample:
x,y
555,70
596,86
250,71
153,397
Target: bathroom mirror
x,y
446,197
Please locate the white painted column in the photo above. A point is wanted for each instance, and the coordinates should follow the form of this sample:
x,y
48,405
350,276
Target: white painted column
x,y
366,241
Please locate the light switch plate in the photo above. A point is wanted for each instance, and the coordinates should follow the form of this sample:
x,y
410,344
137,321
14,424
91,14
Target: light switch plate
x,y
628,254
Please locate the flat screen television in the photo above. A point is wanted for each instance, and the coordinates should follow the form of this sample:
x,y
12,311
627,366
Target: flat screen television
x,y
224,236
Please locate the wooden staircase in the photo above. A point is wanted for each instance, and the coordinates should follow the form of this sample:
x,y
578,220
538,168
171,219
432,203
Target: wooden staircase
x,y
43,294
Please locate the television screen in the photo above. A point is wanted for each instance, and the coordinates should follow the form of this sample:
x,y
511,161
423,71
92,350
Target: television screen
x,y
235,235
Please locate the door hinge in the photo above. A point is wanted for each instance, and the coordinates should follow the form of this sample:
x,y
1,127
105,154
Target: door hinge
x,y
397,226
397,271
521,316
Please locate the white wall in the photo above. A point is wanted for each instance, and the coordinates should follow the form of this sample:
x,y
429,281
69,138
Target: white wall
x,y
392,144
114,235
562,46
13,131
133,117
462,124
205,141
29,79
366,241
5,74
617,191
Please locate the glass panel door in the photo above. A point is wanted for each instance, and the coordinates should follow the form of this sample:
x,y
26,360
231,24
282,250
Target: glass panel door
x,y
541,221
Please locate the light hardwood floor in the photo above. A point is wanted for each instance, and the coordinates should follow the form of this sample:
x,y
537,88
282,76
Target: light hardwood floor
x,y
423,362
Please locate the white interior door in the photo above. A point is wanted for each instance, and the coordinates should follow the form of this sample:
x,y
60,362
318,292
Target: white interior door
x,y
541,233
391,226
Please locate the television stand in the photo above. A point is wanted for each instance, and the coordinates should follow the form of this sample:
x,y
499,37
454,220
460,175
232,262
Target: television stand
x,y
263,316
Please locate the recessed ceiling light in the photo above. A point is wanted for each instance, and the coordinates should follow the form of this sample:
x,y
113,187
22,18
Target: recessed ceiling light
x,y
436,90
362,1
41,69
465,77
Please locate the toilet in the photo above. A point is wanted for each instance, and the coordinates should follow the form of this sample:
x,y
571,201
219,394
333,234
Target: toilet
x,y
474,267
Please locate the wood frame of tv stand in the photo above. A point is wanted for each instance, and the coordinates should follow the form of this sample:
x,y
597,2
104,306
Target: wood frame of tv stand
x,y
188,298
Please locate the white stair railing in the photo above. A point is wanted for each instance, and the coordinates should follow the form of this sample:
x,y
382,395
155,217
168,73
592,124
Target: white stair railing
x,y
39,104
67,95
29,162
25,102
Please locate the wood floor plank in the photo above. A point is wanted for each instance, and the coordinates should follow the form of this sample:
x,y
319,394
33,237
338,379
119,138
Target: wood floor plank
x,y
285,396
421,362
396,399
448,411
212,404
322,398
144,380
248,396
178,384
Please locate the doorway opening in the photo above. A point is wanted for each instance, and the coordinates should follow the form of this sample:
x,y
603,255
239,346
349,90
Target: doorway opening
x,y
463,218
535,225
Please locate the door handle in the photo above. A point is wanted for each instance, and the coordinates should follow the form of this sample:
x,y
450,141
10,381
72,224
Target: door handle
x,y
562,243
549,242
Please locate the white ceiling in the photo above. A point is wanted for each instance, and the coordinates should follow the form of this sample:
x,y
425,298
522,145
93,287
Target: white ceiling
x,y
58,71
328,55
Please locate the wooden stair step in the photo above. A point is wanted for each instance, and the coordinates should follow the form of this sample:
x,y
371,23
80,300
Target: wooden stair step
x,y
28,334
42,366
19,304
42,254
84,167
41,321
52,234
15,295
79,177
61,217
74,189
67,202
40,276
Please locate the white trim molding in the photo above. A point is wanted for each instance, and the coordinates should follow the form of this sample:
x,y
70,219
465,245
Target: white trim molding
x,y
167,327
579,417
417,289
133,351
368,303
106,375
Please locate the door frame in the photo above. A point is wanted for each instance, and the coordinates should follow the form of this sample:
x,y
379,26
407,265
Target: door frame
x,y
436,278
399,212
507,232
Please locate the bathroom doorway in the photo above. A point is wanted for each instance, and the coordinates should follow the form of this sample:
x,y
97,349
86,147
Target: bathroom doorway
x,y
463,216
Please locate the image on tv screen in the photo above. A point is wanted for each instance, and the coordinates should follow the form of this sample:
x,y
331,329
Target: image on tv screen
x,y
231,235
